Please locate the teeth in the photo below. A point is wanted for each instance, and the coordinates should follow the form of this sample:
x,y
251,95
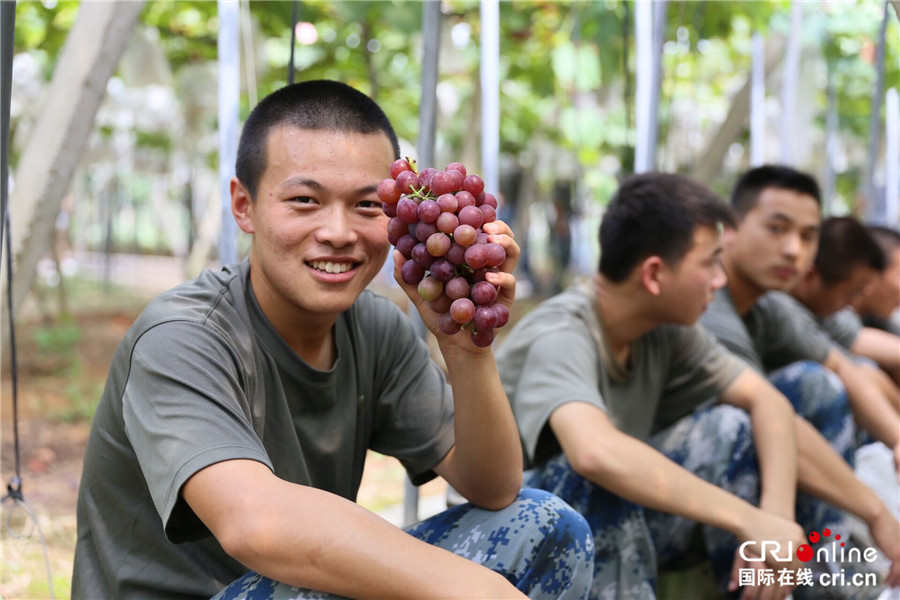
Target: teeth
x,y
331,267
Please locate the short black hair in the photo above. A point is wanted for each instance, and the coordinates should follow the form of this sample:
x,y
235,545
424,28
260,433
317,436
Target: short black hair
x,y
845,244
656,214
887,238
319,105
746,192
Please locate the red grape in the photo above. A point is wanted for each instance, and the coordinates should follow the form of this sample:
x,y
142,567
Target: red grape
x,y
438,244
483,293
412,272
398,166
406,244
483,338
457,166
447,222
465,235
421,255
495,254
473,184
387,191
428,211
462,310
471,215
431,289
447,324
406,181
476,257
457,288
407,210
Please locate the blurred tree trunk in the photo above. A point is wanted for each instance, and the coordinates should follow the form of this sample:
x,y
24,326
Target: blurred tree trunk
x,y
86,62
711,159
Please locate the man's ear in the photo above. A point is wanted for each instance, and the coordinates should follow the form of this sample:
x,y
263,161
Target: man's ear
x,y
241,206
652,274
728,235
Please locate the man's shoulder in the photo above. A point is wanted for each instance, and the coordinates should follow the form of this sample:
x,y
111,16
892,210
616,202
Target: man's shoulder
x,y
213,298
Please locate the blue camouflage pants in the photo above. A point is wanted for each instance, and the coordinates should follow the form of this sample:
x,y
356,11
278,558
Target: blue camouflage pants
x,y
630,541
819,396
538,543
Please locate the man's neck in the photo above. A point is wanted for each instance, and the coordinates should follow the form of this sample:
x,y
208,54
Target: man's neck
x,y
744,293
311,339
622,315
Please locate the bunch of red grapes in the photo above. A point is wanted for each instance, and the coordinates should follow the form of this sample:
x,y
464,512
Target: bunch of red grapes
x,y
436,219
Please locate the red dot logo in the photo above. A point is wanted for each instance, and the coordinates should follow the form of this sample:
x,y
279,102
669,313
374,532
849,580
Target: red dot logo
x,y
814,536
805,552
826,532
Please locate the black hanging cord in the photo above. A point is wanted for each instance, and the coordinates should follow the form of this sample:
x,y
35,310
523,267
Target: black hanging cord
x,y
293,40
14,487
7,34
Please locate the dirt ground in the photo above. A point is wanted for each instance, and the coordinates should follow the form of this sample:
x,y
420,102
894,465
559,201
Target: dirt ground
x,y
62,368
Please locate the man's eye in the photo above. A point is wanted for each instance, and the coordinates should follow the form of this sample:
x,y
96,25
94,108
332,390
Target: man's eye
x,y
370,204
776,228
302,199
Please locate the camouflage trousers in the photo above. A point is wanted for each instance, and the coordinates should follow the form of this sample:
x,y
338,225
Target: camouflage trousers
x,y
631,542
538,543
819,396
715,443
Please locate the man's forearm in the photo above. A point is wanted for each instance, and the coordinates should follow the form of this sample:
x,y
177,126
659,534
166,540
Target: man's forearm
x,y
488,454
825,475
871,408
776,451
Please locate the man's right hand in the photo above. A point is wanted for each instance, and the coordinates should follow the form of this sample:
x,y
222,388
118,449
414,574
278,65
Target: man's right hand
x,y
784,537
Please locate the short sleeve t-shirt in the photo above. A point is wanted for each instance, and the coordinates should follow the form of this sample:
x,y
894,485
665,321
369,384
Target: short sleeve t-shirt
x,y
843,326
556,354
203,377
777,331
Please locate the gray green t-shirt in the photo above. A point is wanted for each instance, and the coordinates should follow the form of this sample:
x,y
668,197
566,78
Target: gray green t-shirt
x,y
202,377
777,331
843,326
556,354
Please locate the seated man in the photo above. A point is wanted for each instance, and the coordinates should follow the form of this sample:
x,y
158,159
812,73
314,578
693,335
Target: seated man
x,y
593,371
773,246
847,262
231,436
589,370
868,327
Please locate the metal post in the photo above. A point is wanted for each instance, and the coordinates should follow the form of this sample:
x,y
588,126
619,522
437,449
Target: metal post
x,y
431,34
490,93
7,36
229,98
892,158
874,208
758,103
643,38
789,84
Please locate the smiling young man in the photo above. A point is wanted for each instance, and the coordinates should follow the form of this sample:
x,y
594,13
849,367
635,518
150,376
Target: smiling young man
x,y
229,443
610,383
772,247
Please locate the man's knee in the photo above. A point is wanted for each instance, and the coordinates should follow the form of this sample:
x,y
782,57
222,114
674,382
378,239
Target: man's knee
x,y
811,388
553,517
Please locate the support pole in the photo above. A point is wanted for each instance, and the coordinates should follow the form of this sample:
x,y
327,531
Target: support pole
x,y
789,84
875,208
7,35
892,158
229,99
758,102
490,93
431,34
